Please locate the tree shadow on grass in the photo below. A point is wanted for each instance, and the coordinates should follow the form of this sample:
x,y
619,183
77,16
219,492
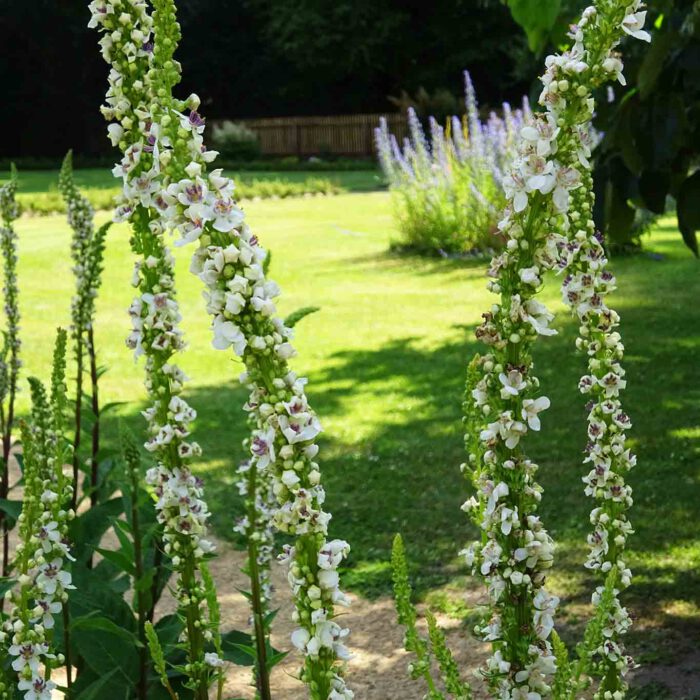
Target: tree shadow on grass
x,y
403,475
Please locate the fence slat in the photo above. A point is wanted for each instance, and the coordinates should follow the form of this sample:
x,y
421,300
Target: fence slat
x,y
343,135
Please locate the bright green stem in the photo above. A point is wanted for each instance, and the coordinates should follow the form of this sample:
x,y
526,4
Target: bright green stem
x,y
194,631
262,672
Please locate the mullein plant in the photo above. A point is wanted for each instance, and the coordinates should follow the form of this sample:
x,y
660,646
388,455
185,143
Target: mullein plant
x,y
87,252
548,226
167,188
10,363
42,554
447,189
138,98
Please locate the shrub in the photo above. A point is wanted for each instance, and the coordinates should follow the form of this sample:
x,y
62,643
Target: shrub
x,y
235,141
448,191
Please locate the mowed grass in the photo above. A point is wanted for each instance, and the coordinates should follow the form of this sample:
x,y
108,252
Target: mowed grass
x,y
386,358
101,178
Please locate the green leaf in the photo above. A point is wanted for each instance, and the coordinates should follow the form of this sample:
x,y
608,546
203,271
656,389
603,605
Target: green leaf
x,y
537,18
12,510
104,649
87,529
297,315
6,584
119,559
97,688
238,648
654,61
688,206
654,187
95,622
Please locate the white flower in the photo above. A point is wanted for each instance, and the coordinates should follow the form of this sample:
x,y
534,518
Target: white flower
x,y
300,638
633,24
537,315
513,383
263,447
37,688
228,334
530,275
299,428
213,660
52,576
531,409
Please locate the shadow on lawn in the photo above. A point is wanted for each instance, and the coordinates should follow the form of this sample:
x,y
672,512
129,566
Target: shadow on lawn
x,y
405,477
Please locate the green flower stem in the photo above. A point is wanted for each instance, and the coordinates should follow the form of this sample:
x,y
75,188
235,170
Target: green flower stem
x,y
95,401
262,673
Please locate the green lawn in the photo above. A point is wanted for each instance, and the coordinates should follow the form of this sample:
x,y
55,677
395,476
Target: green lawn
x,y
386,357
101,178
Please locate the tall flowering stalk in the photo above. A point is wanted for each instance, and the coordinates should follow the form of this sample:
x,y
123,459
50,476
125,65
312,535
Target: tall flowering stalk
x,y
587,282
549,190
87,251
164,171
447,189
138,97
10,363
43,553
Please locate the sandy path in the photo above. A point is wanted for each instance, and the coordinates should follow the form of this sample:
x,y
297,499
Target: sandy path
x,y
377,670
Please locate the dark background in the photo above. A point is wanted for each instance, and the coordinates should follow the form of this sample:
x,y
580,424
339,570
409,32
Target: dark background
x,y
257,58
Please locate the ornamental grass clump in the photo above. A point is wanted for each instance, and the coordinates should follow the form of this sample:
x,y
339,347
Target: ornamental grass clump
x,y
447,190
10,363
42,554
167,189
548,226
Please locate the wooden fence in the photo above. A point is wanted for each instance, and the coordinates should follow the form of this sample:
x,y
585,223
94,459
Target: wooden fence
x,y
348,135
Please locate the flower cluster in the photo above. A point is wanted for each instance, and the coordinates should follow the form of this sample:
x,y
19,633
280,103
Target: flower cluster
x,y
448,190
10,362
167,189
127,46
43,551
87,248
549,181
87,252
240,300
586,284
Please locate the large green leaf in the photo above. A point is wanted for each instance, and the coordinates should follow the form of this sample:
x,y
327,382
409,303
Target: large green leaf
x,y
238,647
99,687
537,18
98,623
12,510
87,529
654,187
654,61
689,211
104,651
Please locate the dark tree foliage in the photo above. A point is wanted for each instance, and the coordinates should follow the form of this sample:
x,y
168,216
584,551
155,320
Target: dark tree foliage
x,y
651,148
255,58
652,144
